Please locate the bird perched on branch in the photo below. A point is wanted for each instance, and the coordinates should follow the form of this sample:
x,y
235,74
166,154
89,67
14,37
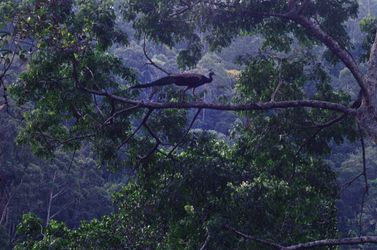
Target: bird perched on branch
x,y
190,80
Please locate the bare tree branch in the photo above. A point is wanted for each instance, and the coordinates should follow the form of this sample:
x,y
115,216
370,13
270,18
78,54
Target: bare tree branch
x,y
96,105
280,83
151,61
247,107
249,237
312,244
152,133
61,210
230,107
205,242
316,31
333,242
50,198
335,47
188,7
155,148
137,129
350,182
72,160
188,130
120,112
326,124
62,191
10,195
320,128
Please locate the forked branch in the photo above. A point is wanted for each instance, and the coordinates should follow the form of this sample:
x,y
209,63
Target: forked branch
x,y
187,131
151,62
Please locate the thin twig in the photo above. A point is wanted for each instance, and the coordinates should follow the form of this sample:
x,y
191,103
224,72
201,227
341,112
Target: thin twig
x,y
188,130
155,147
326,124
120,112
249,237
205,242
151,61
280,83
136,130
320,128
72,160
185,9
152,133
96,104
349,183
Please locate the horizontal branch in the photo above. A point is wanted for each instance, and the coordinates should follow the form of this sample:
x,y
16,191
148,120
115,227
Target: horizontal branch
x,y
246,107
230,107
312,244
334,242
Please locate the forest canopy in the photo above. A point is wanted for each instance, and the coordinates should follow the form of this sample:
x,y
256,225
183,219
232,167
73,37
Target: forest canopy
x,y
95,102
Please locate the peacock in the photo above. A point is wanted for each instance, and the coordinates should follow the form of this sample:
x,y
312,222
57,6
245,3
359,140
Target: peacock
x,y
189,80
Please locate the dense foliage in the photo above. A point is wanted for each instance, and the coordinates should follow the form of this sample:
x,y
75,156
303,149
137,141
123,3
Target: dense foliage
x,y
63,189
210,186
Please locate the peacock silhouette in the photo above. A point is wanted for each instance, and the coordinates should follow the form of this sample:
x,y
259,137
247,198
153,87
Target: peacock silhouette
x,y
189,80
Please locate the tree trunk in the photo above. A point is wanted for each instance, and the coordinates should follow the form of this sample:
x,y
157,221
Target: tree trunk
x,y
367,113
